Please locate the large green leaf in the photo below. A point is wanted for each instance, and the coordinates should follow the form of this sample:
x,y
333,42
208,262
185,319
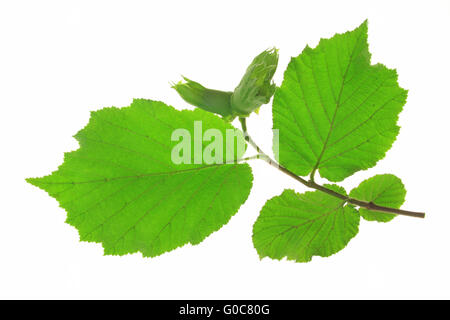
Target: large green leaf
x,y
121,188
336,113
384,190
300,226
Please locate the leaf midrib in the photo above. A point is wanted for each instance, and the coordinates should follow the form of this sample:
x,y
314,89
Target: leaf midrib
x,y
319,158
168,173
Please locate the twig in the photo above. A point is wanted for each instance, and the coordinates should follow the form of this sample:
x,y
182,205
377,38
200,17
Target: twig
x,y
312,184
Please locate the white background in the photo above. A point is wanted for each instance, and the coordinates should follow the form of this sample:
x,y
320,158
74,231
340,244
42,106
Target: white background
x,y
61,59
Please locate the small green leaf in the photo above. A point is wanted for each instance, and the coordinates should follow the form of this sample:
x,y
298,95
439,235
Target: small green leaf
x,y
121,187
210,100
335,112
300,226
256,87
384,190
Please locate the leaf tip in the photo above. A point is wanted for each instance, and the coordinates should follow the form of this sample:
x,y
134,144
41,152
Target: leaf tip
x,y
364,25
33,181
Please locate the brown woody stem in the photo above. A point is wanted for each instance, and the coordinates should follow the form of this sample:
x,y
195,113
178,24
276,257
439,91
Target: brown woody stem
x,y
311,184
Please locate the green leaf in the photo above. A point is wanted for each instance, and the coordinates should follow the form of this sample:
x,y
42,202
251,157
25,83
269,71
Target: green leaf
x,y
384,190
335,112
210,100
300,226
122,189
256,86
